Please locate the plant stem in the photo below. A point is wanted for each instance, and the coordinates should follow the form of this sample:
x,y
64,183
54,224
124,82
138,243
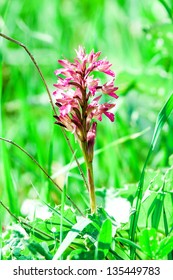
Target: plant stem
x,y
90,174
91,188
88,158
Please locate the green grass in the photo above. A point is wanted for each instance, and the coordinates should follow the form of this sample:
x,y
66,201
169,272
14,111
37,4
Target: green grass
x,y
135,37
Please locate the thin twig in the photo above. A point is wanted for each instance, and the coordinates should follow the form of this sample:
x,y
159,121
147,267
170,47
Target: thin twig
x,y
50,98
43,170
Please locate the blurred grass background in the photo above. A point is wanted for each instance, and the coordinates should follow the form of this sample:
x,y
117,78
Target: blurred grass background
x,y
136,37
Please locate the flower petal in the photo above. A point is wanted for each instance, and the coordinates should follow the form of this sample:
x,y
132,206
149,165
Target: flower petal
x,y
110,116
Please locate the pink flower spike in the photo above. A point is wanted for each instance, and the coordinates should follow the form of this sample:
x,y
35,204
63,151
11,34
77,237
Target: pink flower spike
x,y
75,89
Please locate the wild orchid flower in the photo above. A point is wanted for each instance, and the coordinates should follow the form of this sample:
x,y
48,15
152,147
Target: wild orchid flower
x,y
79,105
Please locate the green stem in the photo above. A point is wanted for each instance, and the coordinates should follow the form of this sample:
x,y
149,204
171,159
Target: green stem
x,y
90,174
91,187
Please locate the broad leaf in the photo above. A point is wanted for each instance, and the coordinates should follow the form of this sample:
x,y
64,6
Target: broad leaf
x,y
104,238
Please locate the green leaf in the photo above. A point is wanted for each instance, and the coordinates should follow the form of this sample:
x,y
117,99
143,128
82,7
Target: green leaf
x,y
166,246
73,233
127,242
155,209
37,248
104,239
148,241
156,215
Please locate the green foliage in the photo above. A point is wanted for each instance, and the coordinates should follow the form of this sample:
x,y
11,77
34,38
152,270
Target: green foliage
x,y
18,246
